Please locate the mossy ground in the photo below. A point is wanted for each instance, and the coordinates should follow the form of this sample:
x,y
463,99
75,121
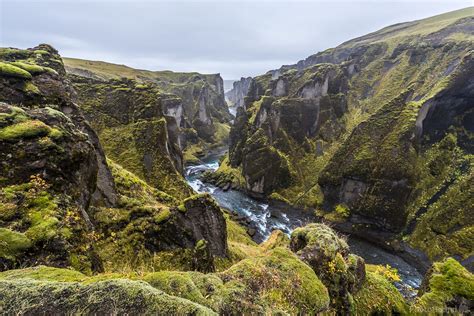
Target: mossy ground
x,y
378,296
446,281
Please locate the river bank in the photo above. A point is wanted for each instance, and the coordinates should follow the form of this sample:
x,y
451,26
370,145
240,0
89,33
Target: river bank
x,y
261,218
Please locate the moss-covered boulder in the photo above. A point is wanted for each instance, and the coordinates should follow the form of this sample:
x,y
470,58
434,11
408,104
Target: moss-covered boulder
x,y
103,297
378,296
447,287
328,255
276,281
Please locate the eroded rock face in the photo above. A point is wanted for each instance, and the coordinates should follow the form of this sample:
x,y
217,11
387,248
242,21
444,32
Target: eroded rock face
x,y
196,101
369,126
50,164
239,91
285,118
138,126
264,167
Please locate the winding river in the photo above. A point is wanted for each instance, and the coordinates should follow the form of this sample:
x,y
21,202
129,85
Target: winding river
x,y
262,219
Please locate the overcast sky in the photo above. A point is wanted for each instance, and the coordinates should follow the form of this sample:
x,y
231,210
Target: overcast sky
x,y
234,38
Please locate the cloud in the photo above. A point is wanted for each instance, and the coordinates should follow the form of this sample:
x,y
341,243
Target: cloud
x,y
235,38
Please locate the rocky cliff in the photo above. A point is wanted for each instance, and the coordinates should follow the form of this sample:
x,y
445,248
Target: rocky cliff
x,y
238,92
375,133
63,204
195,101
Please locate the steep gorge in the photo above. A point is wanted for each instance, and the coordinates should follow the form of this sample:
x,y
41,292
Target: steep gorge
x,y
375,134
96,217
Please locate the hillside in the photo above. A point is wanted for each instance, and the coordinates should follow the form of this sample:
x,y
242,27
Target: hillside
x,y
375,134
196,101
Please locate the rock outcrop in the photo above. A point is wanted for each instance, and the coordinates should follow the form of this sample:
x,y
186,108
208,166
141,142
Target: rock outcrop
x,y
63,204
328,255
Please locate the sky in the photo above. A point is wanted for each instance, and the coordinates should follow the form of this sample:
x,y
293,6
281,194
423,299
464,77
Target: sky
x,y
233,38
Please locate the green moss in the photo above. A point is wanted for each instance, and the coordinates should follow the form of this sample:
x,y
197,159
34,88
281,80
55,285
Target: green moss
x,y
8,53
31,68
9,70
278,197
12,243
16,115
179,284
132,187
444,225
40,52
378,296
43,273
25,129
192,153
39,215
145,139
276,239
278,281
162,216
446,280
29,87
320,236
221,134
103,297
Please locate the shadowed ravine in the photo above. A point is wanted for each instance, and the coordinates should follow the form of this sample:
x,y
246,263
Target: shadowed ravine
x,y
263,219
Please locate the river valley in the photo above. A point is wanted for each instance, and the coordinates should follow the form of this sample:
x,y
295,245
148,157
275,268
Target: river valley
x,y
262,218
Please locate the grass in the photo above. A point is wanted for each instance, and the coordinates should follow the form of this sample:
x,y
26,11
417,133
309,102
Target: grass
x,y
107,71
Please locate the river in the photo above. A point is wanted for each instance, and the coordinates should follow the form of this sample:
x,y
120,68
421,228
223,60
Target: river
x,y
263,219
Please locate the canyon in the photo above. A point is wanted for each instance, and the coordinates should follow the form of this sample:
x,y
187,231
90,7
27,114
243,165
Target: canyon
x,y
342,184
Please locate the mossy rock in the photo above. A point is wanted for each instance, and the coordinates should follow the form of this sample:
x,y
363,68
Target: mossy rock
x,y
277,280
9,70
328,255
27,129
378,296
43,273
196,287
447,285
103,297
12,243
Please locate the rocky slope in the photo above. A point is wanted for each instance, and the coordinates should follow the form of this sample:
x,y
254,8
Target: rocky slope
x,y
195,101
63,204
376,134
